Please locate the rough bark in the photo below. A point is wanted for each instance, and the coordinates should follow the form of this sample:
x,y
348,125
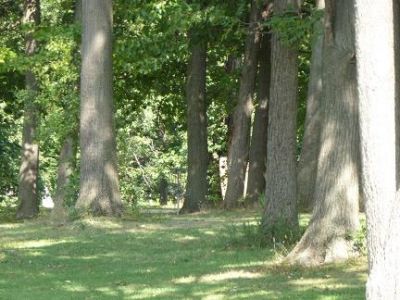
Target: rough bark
x,y
28,174
239,147
307,168
280,192
376,77
335,214
197,159
258,145
99,187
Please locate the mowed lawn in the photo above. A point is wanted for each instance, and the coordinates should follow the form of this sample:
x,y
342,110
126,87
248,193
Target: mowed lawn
x,y
159,256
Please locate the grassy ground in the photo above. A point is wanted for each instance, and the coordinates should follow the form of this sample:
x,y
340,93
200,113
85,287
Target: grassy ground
x,y
159,257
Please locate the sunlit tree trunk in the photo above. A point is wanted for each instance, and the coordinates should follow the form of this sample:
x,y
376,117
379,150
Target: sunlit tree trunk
x,y
238,152
336,194
307,168
280,191
196,185
28,175
99,187
376,77
258,146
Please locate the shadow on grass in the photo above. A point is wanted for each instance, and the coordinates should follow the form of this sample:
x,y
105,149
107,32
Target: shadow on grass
x,y
179,258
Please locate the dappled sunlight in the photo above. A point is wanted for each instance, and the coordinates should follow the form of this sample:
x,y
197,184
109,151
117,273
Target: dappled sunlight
x,y
185,280
34,243
245,265
102,223
229,276
158,258
186,238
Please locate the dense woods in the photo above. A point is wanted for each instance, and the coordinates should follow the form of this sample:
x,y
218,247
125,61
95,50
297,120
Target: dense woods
x,y
279,107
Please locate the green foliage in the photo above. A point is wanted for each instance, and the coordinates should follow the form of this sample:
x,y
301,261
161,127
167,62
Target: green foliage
x,y
360,239
293,27
280,235
245,235
149,58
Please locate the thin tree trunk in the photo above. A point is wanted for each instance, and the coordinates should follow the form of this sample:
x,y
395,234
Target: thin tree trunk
x,y
307,168
258,146
239,147
280,192
335,214
196,185
67,159
28,175
66,168
377,76
99,187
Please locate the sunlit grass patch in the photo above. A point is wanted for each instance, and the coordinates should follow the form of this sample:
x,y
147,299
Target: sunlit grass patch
x,y
171,257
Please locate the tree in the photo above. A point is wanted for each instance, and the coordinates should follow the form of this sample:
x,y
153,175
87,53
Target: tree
x,y
67,158
28,174
258,146
307,167
280,192
336,194
238,152
197,159
377,90
99,188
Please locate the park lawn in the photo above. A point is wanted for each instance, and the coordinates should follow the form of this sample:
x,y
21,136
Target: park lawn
x,y
159,256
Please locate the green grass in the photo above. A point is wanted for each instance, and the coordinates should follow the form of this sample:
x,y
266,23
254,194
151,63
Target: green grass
x,y
158,257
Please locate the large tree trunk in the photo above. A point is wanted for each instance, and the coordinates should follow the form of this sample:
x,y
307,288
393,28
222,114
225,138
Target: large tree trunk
x,y
335,214
197,159
258,146
99,187
280,192
28,175
376,75
239,147
307,168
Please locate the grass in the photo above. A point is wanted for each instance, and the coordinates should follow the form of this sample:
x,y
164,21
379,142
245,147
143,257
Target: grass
x,y
158,257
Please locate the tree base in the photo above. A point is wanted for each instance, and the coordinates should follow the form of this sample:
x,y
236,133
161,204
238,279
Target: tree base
x,y
313,254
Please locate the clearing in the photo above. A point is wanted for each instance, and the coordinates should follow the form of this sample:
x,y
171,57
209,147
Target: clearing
x,y
160,256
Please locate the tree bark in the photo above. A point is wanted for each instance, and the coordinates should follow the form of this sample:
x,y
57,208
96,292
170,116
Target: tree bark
x,y
99,187
335,214
280,192
28,174
307,168
66,168
67,159
377,82
239,147
197,159
258,146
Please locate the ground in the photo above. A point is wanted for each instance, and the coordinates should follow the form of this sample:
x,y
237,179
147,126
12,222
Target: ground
x,y
160,256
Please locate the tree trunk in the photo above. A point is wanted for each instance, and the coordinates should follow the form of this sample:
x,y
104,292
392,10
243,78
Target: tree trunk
x,y
65,170
280,192
307,168
99,187
197,160
258,146
335,214
376,77
28,174
239,147
67,159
